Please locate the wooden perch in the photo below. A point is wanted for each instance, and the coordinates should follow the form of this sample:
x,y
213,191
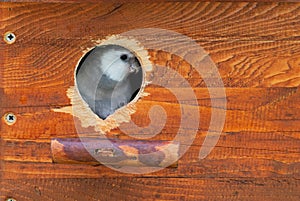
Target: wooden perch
x,y
115,152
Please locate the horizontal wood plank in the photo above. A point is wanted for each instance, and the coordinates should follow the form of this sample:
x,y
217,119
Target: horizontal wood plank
x,y
262,110
236,98
272,189
242,20
240,64
260,154
252,44
140,1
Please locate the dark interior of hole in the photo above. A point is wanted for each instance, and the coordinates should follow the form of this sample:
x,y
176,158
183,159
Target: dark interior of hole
x,y
135,80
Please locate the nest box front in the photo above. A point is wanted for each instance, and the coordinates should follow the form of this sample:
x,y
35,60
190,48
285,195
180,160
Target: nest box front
x,y
211,89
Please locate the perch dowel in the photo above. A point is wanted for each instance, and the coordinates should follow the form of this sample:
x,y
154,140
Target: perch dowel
x,y
94,151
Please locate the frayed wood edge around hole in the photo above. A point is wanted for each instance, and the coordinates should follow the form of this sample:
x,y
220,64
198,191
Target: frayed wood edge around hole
x,y
80,109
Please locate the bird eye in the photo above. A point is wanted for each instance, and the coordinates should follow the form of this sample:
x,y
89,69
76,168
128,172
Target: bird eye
x,y
123,57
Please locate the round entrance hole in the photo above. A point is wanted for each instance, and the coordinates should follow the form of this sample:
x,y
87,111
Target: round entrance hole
x,y
108,77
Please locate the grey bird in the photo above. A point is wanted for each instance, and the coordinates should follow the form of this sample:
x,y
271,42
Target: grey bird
x,y
104,78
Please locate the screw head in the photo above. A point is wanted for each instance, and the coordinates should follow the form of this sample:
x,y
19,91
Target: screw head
x,y
10,118
9,37
11,199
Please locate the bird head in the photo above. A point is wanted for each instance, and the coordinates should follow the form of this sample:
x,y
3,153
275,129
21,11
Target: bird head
x,y
118,62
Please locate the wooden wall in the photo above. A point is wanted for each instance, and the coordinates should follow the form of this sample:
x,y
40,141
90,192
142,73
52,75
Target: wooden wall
x,y
256,47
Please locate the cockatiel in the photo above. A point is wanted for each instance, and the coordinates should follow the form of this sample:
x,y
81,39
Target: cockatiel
x,y
103,78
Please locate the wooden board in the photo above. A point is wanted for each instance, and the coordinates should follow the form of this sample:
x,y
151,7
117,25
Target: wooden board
x,y
256,48
120,188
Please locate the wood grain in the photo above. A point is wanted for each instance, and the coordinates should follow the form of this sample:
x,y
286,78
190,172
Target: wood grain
x,y
139,1
254,45
153,189
256,48
240,64
262,110
261,154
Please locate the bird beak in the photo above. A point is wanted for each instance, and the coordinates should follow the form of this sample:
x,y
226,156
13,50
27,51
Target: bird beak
x,y
134,65
133,69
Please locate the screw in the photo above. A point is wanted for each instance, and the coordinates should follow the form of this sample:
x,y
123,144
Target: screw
x,y
9,37
11,199
10,118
